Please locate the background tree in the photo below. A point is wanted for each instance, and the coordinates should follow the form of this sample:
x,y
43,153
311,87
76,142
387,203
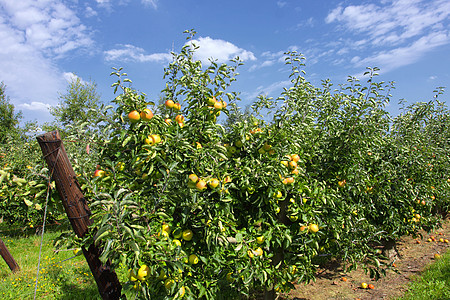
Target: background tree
x,y
238,115
9,120
78,103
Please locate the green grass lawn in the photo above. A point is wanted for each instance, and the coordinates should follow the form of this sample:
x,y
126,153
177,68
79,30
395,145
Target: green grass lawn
x,y
58,279
433,283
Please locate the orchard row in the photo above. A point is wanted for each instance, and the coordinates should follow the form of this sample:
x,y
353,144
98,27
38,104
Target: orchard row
x,y
198,209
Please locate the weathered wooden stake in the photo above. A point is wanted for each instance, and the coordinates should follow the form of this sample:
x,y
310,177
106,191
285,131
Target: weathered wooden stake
x,y
77,210
12,264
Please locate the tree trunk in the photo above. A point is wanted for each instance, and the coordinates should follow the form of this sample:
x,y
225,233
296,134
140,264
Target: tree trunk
x,y
77,210
12,264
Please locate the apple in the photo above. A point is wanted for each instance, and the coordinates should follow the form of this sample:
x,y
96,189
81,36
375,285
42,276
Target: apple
x,y
201,185
193,178
187,235
193,259
278,194
99,173
213,183
142,272
153,139
295,157
292,165
169,103
134,116
179,119
342,183
313,228
211,101
288,180
146,115
166,227
258,251
260,239
177,106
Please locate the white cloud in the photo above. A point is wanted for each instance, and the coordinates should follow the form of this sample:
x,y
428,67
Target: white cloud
x,y
279,55
47,26
281,4
393,33
402,56
355,59
90,12
69,77
110,4
35,106
267,90
133,53
305,23
219,50
342,51
153,3
255,67
394,22
34,35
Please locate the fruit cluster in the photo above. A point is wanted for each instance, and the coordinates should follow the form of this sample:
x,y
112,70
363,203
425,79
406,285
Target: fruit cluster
x,y
145,115
172,105
201,184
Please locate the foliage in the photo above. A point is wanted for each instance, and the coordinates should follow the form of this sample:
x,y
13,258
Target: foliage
x,y
332,175
80,103
198,210
22,185
9,119
24,174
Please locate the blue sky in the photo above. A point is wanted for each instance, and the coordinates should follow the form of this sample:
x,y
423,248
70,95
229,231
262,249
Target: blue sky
x,y
45,43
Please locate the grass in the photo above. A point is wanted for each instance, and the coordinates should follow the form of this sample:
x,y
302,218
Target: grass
x,y
72,279
58,279
433,283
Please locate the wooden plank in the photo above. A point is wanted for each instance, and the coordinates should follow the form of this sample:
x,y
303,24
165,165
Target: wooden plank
x,y
77,210
12,264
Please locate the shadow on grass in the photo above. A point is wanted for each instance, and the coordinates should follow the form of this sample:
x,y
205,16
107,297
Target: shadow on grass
x,y
8,231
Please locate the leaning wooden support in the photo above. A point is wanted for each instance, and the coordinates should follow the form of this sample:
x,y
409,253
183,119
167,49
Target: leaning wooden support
x,y
77,210
12,264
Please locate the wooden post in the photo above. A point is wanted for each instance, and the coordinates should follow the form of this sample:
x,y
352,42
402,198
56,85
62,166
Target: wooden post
x,y
12,264
77,210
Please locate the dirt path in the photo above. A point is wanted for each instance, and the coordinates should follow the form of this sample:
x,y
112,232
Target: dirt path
x,y
414,256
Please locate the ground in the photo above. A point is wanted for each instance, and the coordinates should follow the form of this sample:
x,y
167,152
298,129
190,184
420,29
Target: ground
x,y
413,257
